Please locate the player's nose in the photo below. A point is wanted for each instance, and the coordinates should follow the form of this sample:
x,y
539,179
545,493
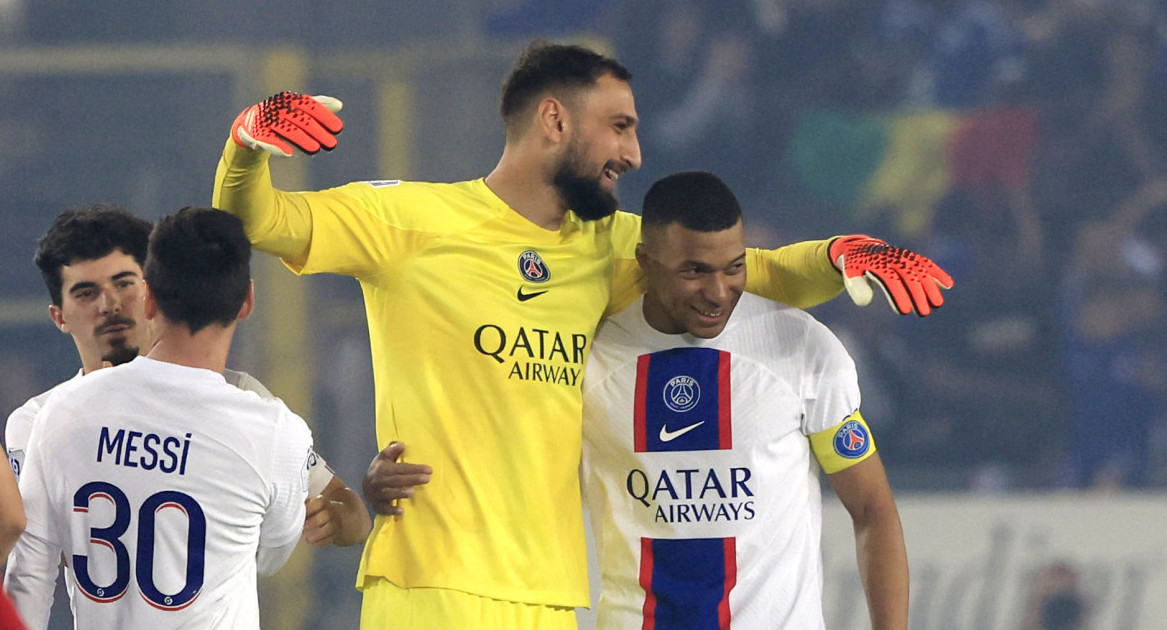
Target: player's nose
x,y
717,290
632,151
108,302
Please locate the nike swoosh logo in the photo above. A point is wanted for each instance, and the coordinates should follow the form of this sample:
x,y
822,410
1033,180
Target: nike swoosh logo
x,y
669,436
523,297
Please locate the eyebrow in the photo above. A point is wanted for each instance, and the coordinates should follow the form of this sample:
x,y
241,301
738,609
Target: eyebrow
x,y
88,284
631,120
707,267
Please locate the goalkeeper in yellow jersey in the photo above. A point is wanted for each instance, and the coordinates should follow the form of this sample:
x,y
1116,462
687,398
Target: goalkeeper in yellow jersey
x,y
482,298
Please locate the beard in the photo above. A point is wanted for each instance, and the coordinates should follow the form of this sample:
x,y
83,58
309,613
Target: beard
x,y
120,349
120,353
582,194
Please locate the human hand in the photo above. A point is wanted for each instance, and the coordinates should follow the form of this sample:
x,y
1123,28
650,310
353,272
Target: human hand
x,y
909,280
309,123
322,521
388,480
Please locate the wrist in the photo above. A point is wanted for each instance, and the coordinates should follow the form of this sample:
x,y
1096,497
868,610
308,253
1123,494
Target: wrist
x,y
236,155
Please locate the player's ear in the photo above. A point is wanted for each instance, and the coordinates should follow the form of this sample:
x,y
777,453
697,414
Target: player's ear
x,y
641,256
58,317
552,116
248,302
149,302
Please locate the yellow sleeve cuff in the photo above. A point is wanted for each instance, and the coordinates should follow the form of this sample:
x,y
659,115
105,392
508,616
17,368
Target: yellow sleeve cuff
x,y
844,444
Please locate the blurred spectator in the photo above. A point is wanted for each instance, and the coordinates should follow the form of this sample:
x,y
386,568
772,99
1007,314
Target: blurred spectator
x,y
1105,125
1099,177
977,57
1055,601
694,71
1115,357
826,54
980,389
524,19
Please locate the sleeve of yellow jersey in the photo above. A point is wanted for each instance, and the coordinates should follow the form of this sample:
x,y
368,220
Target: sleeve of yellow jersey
x,y
353,230
274,222
800,274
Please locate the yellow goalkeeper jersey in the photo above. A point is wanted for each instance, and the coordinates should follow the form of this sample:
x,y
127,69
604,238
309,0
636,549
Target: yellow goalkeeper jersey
x,y
480,324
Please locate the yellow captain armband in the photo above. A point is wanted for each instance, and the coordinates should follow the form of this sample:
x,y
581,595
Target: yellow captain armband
x,y
844,444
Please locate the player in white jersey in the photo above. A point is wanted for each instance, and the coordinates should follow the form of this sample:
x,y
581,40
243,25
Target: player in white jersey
x,y
706,427
165,488
12,518
91,262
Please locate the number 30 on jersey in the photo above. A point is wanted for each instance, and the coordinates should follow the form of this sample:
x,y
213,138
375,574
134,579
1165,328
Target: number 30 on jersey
x,y
143,556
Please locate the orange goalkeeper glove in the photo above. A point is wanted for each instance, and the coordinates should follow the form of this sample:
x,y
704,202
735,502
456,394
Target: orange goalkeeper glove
x,y
289,119
909,281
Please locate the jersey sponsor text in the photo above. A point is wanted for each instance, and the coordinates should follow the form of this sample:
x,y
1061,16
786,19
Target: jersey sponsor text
x,y
535,354
693,495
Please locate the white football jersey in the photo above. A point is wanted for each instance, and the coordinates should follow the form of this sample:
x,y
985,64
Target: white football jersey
x,y
698,468
19,426
160,484
319,472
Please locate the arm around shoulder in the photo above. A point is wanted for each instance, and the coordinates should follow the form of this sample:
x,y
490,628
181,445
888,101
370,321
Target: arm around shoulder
x,y
800,274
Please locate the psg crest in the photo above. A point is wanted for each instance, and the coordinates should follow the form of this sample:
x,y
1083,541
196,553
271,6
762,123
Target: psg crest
x,y
852,440
532,267
682,393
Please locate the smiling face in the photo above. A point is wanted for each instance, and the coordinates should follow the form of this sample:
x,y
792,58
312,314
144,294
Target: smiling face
x,y
693,279
601,147
102,309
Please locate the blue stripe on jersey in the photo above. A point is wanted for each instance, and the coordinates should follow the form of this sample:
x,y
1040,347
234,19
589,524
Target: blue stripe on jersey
x,y
687,582
683,401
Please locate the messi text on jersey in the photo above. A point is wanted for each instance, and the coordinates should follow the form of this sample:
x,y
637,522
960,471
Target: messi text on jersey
x,y
135,449
689,495
535,354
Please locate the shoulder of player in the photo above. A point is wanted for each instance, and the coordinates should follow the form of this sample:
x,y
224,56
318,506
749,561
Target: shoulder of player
x,y
621,327
623,226
79,387
275,414
246,382
752,306
391,187
426,206
282,416
618,341
267,412
28,410
817,343
793,328
60,405
404,192
624,220
293,437
18,427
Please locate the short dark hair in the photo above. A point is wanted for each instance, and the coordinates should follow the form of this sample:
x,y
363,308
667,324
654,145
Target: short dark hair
x,y
544,66
199,267
81,234
698,200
